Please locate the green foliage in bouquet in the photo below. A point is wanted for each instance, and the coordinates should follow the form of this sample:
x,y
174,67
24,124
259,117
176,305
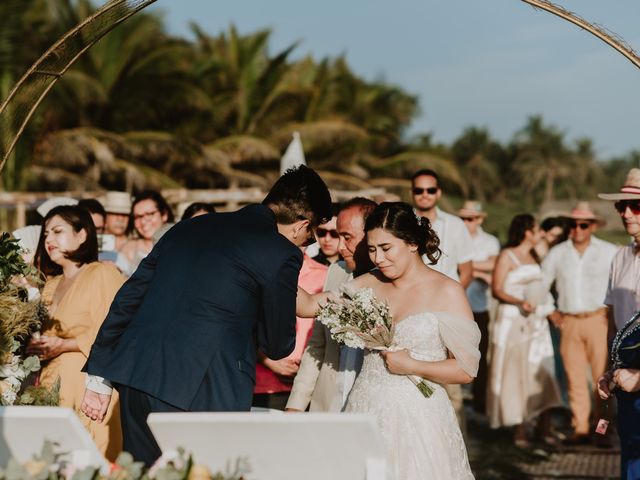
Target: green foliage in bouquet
x,y
40,396
50,465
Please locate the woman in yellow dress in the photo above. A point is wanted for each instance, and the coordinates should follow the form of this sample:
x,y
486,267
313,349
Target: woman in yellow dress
x,y
78,293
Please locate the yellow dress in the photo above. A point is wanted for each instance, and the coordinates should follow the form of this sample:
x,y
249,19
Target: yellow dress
x,y
79,314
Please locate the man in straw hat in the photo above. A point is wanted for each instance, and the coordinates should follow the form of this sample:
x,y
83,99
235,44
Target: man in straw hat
x,y
117,205
486,248
623,293
580,269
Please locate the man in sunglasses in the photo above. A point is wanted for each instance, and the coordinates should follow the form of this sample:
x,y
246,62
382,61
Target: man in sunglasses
x,y
623,293
456,246
580,268
455,240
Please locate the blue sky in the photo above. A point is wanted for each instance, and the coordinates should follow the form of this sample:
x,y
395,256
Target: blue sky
x,y
486,63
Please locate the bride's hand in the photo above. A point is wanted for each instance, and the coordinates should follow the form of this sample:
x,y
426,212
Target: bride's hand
x,y
399,362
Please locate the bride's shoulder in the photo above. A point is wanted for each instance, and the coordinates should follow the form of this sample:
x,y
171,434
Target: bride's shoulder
x,y
450,295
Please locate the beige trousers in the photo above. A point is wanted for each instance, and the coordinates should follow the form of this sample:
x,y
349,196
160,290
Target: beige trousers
x,y
583,343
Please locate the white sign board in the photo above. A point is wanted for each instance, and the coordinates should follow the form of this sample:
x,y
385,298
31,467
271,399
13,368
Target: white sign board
x,y
311,446
25,429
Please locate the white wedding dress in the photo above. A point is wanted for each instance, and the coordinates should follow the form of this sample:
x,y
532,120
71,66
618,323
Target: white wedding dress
x,y
421,435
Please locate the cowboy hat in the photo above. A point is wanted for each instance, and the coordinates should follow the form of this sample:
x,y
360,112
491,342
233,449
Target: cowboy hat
x,y
583,211
471,209
116,202
629,191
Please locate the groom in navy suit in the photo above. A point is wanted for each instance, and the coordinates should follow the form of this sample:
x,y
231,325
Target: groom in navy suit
x,y
183,331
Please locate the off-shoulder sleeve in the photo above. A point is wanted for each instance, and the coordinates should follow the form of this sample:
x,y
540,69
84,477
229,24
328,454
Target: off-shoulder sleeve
x,y
461,336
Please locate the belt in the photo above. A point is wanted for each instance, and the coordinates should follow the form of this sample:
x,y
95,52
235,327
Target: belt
x,y
602,310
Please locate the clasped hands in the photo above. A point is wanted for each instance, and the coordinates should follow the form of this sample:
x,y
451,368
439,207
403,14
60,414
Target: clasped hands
x,y
45,347
626,379
95,405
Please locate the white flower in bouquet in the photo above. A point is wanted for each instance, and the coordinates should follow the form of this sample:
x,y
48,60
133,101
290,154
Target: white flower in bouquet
x,y
359,320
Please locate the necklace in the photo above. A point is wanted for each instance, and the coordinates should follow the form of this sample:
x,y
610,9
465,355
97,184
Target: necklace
x,y
629,328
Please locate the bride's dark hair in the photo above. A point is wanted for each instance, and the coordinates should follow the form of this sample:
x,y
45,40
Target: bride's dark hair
x,y
399,219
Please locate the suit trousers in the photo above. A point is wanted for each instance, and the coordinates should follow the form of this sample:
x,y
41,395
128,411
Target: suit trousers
x,y
583,343
135,407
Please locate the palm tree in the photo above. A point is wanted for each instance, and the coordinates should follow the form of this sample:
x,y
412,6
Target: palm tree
x,y
541,158
479,155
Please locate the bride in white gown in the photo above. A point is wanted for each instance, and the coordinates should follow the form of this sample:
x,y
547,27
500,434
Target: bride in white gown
x,y
436,339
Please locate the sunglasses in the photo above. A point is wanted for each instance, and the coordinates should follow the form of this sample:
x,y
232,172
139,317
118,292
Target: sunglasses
x,y
633,205
420,191
581,225
468,219
323,232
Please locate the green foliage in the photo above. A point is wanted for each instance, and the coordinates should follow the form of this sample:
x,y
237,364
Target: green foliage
x,y
40,396
11,261
50,464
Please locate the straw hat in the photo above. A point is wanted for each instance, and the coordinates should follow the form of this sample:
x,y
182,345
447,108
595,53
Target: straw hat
x,y
470,209
630,189
583,211
116,202
45,207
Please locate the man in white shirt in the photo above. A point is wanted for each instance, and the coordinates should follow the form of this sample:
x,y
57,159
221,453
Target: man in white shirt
x,y
580,268
486,248
623,292
455,244
455,240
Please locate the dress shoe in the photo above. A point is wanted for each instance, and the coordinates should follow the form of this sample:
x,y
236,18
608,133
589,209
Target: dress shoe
x,y
577,439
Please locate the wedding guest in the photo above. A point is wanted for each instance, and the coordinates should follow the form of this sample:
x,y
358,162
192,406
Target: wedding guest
x,y
328,240
96,210
78,293
117,206
623,291
580,269
196,209
486,248
328,370
274,378
554,230
624,379
182,332
149,212
522,381
437,340
455,244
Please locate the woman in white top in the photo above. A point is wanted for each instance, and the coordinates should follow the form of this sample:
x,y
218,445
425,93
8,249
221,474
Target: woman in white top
x,y
522,381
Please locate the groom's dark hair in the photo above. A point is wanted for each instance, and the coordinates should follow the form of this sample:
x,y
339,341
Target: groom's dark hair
x,y
300,194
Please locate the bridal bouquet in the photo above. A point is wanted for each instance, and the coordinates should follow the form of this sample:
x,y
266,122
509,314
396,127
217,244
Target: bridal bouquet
x,y
359,320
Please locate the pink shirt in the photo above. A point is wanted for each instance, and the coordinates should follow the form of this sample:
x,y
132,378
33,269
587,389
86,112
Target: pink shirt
x,y
624,284
312,278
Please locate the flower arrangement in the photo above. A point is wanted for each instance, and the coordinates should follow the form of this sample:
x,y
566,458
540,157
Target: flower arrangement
x,y
359,320
50,465
19,319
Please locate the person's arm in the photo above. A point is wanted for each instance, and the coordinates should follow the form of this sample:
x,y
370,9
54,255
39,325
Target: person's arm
x,y
503,266
485,266
612,329
47,347
277,327
465,272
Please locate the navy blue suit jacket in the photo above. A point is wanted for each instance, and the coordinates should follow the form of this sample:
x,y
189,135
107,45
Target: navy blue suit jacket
x,y
186,326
